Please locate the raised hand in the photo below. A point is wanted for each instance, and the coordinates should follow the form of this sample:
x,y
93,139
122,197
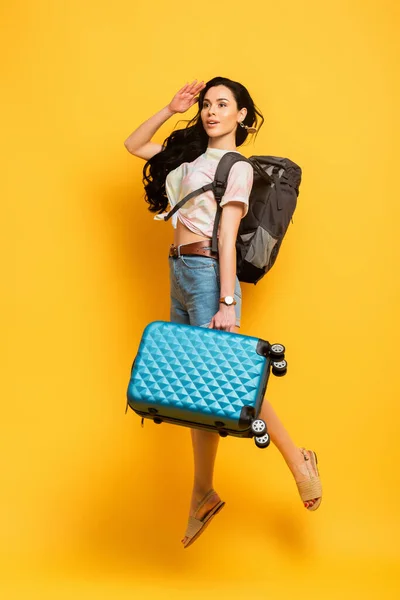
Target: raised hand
x,y
186,97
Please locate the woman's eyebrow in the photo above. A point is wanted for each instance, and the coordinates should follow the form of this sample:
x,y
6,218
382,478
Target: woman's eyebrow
x,y
218,99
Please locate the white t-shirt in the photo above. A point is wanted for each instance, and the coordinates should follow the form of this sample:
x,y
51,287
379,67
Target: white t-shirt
x,y
198,214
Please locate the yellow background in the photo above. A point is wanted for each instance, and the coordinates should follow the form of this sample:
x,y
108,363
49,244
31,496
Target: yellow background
x,y
93,506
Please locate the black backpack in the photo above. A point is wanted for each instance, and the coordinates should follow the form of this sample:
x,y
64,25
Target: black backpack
x,y
272,202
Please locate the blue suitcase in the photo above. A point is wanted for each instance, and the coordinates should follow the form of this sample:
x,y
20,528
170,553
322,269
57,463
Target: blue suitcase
x,y
203,378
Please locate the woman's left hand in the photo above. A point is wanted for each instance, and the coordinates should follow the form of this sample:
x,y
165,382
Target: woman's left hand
x,y
224,319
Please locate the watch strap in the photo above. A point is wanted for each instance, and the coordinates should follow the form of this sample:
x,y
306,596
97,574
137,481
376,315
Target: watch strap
x,y
223,300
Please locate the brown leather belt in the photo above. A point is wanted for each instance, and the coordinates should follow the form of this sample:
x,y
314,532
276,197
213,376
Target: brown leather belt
x,y
202,248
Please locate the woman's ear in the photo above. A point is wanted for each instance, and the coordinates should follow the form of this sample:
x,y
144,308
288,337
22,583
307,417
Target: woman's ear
x,y
242,114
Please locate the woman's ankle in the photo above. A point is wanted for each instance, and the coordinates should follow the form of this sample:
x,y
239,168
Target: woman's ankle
x,y
294,459
200,489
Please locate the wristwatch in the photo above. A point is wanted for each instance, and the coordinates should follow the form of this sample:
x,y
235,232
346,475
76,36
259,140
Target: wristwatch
x,y
228,300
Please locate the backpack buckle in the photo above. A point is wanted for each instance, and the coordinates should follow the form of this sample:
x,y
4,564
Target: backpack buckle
x,y
219,188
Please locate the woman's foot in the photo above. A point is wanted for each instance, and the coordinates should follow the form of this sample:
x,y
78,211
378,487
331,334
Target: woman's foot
x,y
201,504
305,473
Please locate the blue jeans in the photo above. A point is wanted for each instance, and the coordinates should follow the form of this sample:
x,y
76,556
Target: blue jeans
x,y
195,290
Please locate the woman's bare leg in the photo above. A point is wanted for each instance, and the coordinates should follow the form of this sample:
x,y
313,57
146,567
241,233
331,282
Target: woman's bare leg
x,y
279,435
281,439
291,453
205,446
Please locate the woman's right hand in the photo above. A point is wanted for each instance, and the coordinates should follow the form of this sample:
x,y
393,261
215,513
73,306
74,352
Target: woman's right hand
x,y
186,97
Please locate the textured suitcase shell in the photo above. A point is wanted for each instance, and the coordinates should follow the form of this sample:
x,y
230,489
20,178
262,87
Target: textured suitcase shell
x,y
199,377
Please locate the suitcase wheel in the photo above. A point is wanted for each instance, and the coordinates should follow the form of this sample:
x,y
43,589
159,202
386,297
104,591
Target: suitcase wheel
x,y
262,442
157,420
277,351
279,368
259,427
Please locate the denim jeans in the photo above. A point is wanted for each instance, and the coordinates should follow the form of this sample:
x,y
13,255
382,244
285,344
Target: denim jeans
x,y
195,290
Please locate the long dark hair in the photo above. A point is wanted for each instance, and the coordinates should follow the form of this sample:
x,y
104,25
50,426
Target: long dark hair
x,y
185,145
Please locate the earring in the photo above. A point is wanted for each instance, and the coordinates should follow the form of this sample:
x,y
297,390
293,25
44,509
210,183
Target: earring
x,y
249,129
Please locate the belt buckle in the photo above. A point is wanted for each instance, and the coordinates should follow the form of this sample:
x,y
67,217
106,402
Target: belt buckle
x,y
173,251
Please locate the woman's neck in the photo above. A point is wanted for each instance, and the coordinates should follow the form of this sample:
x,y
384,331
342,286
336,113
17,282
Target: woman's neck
x,y
226,142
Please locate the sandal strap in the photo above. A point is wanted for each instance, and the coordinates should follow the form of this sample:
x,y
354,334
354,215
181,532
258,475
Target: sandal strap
x,y
193,527
310,489
203,501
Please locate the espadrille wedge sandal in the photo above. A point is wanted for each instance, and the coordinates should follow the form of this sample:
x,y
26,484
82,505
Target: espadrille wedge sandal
x,y
197,526
311,488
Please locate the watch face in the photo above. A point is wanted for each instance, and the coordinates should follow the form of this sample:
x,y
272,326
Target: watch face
x,y
228,300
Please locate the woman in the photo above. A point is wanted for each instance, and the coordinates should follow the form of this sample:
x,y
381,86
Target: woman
x,y
204,288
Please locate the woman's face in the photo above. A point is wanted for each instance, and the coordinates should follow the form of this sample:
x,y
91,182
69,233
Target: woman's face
x,y
219,114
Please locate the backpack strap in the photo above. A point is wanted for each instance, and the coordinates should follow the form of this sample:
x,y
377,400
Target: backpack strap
x,y
205,188
219,187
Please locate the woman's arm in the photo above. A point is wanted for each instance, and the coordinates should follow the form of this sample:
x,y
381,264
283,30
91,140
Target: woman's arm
x,y
231,216
234,204
139,142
